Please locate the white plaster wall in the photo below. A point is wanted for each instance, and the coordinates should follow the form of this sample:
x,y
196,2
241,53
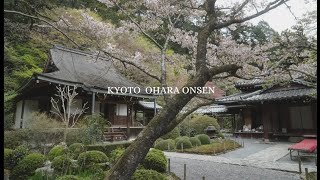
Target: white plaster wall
x,y
121,110
18,115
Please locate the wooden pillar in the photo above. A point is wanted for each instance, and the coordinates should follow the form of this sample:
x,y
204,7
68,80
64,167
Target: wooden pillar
x,y
155,107
22,112
93,102
266,118
128,120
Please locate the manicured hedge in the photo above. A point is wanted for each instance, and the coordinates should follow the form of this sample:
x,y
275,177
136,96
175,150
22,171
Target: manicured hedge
x,y
15,156
68,177
61,164
57,151
195,141
27,166
107,148
40,137
155,160
91,158
75,149
143,174
167,144
204,139
185,142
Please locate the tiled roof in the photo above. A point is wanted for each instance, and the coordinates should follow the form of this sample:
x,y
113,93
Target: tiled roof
x,y
247,83
237,97
212,109
271,95
289,93
149,105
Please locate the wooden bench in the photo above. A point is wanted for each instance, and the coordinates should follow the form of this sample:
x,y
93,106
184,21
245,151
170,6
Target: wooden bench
x,y
307,146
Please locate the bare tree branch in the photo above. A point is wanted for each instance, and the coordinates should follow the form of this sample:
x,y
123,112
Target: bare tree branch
x,y
41,19
269,7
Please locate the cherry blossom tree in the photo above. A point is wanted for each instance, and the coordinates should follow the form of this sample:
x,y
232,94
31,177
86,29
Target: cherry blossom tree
x,y
201,30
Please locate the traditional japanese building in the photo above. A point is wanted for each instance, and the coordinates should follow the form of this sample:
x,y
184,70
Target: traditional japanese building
x,y
93,75
279,110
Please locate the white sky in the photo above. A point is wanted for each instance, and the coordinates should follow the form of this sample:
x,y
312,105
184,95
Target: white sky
x,y
281,18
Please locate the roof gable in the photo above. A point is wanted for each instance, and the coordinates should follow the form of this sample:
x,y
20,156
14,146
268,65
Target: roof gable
x,y
85,68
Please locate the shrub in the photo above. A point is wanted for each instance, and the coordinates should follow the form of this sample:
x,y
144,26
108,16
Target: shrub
x,y
76,149
157,141
186,143
38,138
107,148
13,139
57,151
68,177
143,174
16,156
95,128
198,124
91,158
61,164
27,166
7,158
116,154
220,135
195,141
204,139
155,160
181,137
172,134
165,144
76,136
40,120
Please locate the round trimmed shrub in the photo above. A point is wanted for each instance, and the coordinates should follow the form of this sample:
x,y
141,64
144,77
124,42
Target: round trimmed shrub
x,y
155,160
204,139
172,134
7,158
142,174
76,149
181,137
58,150
61,164
167,144
68,177
16,156
195,141
90,158
157,141
115,154
27,166
186,143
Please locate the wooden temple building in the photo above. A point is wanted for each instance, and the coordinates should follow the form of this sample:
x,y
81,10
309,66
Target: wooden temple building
x,y
280,110
92,75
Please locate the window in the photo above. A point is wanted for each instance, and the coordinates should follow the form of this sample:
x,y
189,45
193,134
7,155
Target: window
x,y
301,117
121,110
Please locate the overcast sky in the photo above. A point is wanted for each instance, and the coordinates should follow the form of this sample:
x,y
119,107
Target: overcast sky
x,y
281,18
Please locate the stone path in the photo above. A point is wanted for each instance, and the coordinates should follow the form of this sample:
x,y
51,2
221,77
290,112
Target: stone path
x,y
256,158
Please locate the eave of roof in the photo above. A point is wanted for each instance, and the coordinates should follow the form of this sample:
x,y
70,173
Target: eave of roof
x,y
149,105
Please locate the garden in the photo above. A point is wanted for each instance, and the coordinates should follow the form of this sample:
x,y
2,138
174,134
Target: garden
x,y
42,150
193,139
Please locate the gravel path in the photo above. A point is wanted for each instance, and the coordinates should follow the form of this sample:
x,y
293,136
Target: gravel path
x,y
196,169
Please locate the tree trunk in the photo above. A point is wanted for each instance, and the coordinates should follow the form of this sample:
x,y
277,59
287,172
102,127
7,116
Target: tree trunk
x,y
135,153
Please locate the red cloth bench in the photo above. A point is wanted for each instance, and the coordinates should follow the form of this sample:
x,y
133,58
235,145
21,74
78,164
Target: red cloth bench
x,y
305,146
